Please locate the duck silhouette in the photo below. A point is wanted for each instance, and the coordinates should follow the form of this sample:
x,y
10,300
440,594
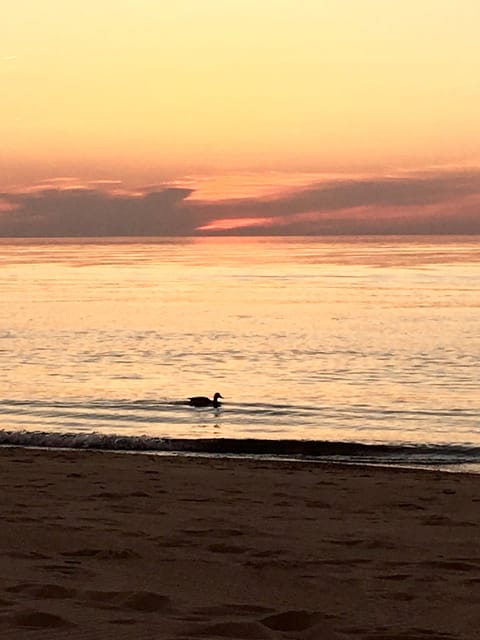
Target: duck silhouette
x,y
203,401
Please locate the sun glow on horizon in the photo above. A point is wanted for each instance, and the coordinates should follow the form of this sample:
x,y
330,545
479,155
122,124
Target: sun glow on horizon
x,y
176,118
235,223
146,91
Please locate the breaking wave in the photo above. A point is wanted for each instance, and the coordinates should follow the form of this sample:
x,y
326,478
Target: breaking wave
x,y
410,455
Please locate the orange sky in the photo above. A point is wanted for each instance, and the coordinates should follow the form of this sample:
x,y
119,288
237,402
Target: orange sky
x,y
235,97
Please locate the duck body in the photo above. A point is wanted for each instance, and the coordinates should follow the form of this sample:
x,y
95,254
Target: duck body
x,y
203,401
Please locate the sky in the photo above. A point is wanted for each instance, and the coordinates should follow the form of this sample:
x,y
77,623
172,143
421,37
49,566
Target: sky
x,y
153,117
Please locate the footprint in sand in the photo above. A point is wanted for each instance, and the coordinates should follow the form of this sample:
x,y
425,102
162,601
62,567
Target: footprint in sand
x,y
452,565
226,548
312,626
414,634
102,554
42,591
39,620
292,620
230,611
142,601
233,629
65,570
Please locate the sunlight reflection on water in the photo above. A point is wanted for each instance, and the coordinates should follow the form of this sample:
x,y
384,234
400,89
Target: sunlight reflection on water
x,y
345,339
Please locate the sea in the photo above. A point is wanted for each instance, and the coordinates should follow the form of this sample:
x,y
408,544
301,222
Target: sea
x,y
341,349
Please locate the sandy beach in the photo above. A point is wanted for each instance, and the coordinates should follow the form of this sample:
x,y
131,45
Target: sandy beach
x,y
100,545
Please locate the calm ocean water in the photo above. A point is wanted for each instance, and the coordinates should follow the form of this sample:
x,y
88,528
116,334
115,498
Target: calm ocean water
x,y
345,348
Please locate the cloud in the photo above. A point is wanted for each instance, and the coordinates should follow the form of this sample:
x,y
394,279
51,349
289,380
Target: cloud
x,y
78,211
6,205
438,202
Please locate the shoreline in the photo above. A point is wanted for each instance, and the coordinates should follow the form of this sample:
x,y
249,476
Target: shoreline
x,y
468,469
454,457
159,546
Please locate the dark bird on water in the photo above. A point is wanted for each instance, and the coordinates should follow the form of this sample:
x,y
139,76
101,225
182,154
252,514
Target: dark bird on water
x,y
203,401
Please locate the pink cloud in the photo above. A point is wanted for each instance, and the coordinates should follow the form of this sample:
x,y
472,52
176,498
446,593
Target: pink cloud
x,y
6,205
441,201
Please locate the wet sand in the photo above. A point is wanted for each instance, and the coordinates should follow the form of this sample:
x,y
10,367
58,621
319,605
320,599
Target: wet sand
x,y
100,545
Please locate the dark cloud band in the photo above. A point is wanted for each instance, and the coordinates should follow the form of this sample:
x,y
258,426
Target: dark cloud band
x,y
431,202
